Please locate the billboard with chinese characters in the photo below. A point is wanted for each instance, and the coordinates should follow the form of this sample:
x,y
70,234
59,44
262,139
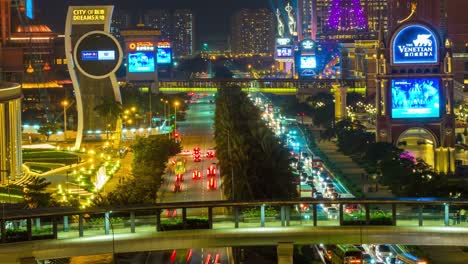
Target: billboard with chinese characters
x,y
415,98
284,52
415,44
164,54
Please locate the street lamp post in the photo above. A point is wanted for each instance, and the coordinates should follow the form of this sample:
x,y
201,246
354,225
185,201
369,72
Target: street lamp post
x,y
176,104
65,103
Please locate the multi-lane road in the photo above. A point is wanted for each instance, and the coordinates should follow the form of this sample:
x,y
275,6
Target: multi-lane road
x,y
196,131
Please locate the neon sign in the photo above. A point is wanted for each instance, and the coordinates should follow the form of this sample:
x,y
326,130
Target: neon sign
x,y
141,46
415,44
164,44
283,41
87,14
307,44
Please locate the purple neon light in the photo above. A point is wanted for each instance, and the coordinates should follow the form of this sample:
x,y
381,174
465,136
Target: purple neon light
x,y
345,15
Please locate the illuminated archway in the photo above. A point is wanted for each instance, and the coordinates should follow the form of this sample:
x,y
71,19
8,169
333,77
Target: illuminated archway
x,y
419,142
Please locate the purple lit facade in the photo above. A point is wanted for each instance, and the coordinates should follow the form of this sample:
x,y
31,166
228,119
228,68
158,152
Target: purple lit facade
x,y
346,15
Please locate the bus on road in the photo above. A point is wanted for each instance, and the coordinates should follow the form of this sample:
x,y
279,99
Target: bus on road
x,y
345,254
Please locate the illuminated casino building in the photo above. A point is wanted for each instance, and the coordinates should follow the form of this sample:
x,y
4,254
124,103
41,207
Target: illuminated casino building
x,y
10,132
253,32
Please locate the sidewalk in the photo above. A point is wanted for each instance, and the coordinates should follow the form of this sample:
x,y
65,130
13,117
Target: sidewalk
x,y
350,168
122,174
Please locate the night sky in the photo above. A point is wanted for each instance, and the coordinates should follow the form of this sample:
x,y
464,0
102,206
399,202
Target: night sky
x,y
212,16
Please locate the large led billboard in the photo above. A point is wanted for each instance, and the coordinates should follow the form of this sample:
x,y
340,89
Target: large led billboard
x,y
415,98
164,55
30,9
97,54
308,62
284,52
414,44
142,61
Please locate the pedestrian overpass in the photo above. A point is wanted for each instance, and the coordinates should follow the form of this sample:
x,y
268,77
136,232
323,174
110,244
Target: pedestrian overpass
x,y
276,86
64,232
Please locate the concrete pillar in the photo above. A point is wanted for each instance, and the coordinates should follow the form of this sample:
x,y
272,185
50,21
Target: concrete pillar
x,y
366,207
29,228
210,217
314,212
236,217
262,215
158,220
184,217
446,214
420,216
55,227
106,223
65,223
340,213
80,226
285,251
283,215
132,222
38,223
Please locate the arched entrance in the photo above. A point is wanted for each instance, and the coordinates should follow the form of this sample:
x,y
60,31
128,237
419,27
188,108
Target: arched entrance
x,y
420,142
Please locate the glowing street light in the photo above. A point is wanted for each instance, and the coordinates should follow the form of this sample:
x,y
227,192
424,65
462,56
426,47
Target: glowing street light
x,y
65,104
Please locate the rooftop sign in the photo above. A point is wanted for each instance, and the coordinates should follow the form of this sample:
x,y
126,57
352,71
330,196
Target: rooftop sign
x,y
414,44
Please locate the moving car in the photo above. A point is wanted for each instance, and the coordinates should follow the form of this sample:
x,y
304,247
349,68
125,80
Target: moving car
x,y
332,213
179,166
212,183
210,153
211,170
180,177
177,187
318,195
367,259
382,252
197,158
196,174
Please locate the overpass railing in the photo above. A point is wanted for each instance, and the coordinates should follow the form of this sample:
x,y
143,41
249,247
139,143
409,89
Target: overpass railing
x,y
62,223
259,83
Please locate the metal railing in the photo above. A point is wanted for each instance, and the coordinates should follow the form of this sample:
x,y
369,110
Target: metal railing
x,y
62,223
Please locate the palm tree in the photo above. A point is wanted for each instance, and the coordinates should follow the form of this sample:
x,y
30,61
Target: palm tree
x,y
110,109
35,194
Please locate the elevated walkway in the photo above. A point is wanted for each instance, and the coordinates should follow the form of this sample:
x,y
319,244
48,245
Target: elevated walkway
x,y
267,236
63,232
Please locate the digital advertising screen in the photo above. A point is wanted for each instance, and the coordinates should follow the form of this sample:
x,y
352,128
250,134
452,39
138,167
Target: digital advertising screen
x,y
308,62
415,98
141,61
164,56
30,9
98,54
284,52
